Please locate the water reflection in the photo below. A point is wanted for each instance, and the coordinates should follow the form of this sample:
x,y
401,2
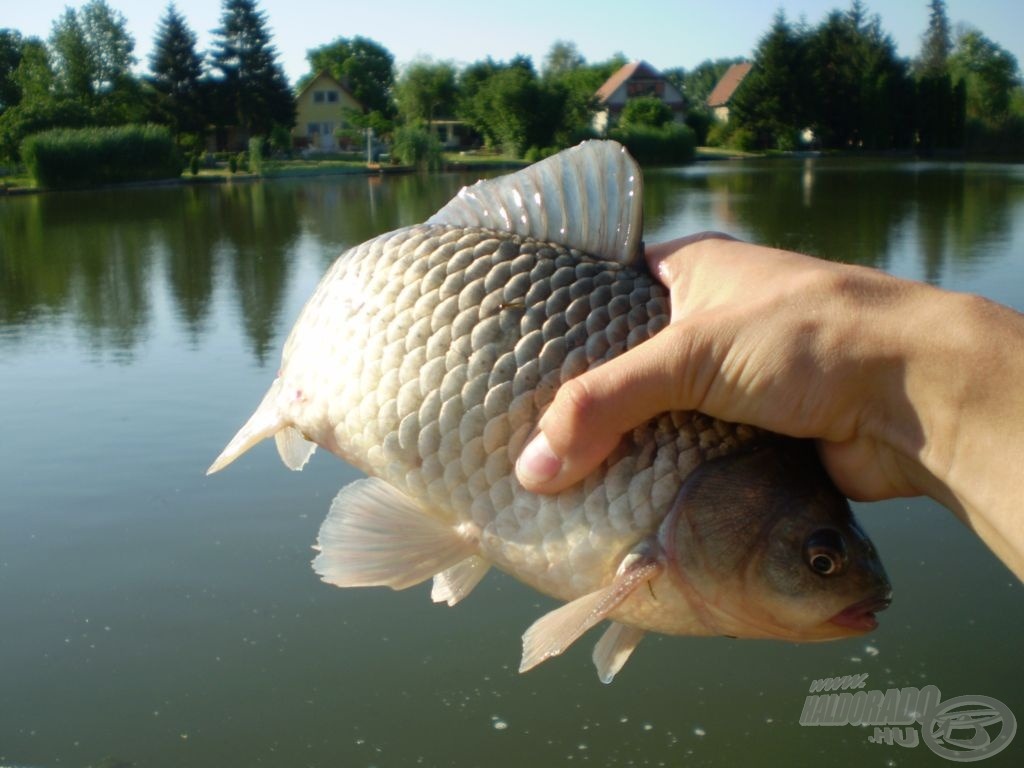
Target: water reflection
x,y
92,260
95,260
853,212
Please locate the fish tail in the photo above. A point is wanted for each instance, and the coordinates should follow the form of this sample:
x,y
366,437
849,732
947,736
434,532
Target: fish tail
x,y
267,421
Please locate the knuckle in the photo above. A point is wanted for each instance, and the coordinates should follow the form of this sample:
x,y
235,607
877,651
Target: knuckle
x,y
575,405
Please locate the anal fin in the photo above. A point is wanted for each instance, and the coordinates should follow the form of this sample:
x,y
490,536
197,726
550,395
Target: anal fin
x,y
375,535
552,633
453,584
613,649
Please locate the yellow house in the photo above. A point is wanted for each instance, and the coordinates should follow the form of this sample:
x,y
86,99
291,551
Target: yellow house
x,y
320,111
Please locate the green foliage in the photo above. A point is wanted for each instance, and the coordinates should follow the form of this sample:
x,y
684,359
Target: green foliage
x,y
233,164
34,116
514,109
414,144
506,108
937,42
562,58
772,99
92,156
700,122
256,155
989,73
535,154
672,144
11,49
193,164
93,51
645,112
254,88
177,71
364,66
426,90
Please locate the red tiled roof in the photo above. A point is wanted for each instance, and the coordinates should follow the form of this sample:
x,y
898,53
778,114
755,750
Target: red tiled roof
x,y
627,71
728,84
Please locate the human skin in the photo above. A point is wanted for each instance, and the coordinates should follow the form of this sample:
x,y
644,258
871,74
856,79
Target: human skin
x,y
908,389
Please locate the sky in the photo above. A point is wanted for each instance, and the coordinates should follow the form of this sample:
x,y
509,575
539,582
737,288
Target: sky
x,y
665,33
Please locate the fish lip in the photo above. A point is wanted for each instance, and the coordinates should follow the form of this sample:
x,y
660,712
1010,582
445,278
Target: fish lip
x,y
861,615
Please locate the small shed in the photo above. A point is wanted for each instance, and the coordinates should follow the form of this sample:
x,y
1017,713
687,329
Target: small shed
x,y
632,81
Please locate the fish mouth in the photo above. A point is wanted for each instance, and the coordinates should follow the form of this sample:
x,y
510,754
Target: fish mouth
x,y
861,615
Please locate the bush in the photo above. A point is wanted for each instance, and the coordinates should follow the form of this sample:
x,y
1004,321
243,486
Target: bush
x,y
232,163
90,156
256,155
534,154
672,145
193,164
700,122
645,112
415,145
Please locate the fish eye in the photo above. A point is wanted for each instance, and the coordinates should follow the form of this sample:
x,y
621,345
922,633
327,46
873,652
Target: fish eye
x,y
825,552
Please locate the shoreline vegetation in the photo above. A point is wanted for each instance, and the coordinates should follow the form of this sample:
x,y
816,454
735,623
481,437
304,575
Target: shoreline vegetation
x,y
219,172
23,184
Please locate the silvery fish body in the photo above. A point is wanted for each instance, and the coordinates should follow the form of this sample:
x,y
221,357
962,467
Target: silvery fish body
x,y
425,358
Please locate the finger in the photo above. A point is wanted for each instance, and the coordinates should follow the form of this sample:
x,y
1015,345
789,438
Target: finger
x,y
590,413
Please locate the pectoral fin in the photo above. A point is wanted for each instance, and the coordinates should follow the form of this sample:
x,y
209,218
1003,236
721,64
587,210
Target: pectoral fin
x,y
375,535
552,633
265,422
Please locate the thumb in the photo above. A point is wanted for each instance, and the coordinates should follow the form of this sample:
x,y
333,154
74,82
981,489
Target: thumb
x,y
591,412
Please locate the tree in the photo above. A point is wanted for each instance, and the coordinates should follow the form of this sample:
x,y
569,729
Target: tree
x,y
860,86
110,46
940,103
771,101
73,62
936,43
363,66
425,90
562,58
506,104
11,46
177,70
989,72
253,84
92,56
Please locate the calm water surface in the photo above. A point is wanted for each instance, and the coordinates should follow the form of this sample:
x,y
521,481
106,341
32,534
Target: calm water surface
x,y
153,616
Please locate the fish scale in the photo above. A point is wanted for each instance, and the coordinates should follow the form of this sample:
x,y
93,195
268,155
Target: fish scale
x,y
510,319
426,357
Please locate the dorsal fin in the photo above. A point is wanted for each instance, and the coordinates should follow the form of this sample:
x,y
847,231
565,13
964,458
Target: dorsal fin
x,y
588,197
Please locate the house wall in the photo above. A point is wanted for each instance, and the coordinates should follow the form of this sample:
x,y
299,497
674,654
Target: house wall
x,y
320,111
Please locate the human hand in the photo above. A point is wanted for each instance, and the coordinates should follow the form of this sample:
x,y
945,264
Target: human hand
x,y
758,336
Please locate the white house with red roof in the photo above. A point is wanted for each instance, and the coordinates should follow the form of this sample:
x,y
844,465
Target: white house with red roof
x,y
633,81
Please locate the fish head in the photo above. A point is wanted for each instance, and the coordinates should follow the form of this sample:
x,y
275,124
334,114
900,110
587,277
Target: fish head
x,y
762,544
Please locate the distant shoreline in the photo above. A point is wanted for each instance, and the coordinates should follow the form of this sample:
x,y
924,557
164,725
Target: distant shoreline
x,y
312,169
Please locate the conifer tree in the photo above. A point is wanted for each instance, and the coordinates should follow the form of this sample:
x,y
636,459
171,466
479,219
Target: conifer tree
x,y
254,89
177,70
937,42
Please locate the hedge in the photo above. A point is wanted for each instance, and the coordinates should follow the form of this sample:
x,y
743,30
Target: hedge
x,y
673,144
90,156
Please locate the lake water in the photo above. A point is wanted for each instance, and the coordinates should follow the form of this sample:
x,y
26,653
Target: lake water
x,y
152,616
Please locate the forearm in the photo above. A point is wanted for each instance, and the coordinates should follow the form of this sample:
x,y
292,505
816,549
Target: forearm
x,y
965,379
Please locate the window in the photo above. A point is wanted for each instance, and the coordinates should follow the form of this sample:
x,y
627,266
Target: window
x,y
318,97
312,129
332,97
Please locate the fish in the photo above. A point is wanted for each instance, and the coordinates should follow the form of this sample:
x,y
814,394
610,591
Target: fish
x,y
426,356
